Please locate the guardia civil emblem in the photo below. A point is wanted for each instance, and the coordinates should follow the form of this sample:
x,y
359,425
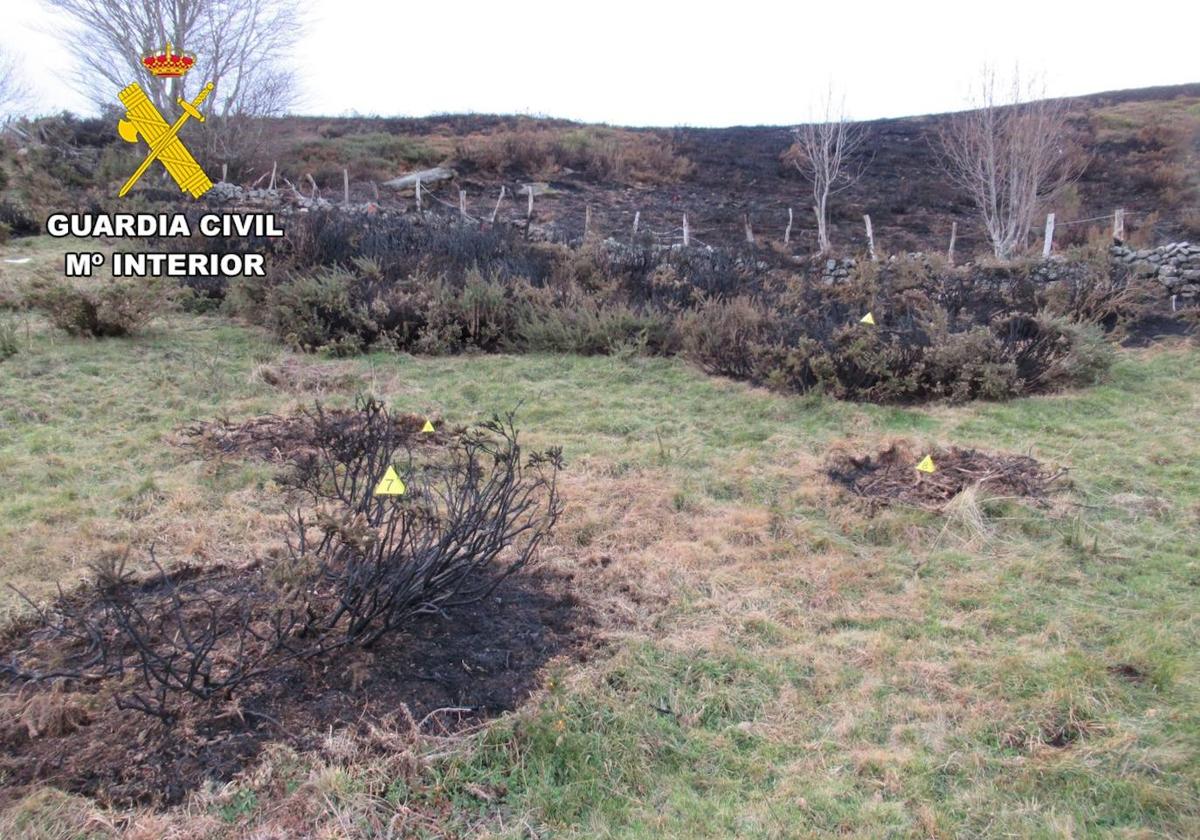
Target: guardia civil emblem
x,y
143,121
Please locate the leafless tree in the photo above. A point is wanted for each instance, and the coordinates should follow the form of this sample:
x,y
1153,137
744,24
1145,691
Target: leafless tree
x,y
824,152
1011,154
242,46
12,86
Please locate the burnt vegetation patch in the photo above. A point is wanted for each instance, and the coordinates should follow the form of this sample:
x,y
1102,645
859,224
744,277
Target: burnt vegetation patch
x,y
890,476
297,438
137,689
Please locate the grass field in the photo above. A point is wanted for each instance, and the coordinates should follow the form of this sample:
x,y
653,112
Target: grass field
x,y
779,663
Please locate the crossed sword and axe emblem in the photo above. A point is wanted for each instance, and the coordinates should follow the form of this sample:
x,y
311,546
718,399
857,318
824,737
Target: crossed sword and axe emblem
x,y
144,120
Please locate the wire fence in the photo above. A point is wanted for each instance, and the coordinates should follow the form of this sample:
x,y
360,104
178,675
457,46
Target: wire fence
x,y
516,207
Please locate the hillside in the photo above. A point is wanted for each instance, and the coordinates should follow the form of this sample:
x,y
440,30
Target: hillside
x,y
1142,149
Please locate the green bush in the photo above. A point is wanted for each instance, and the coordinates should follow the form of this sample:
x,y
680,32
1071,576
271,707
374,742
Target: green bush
x,y
8,338
115,309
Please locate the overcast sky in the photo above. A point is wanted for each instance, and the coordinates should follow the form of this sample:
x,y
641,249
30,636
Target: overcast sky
x,y
714,64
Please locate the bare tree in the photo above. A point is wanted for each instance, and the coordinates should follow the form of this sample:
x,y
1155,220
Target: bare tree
x,y
1011,154
241,46
12,86
823,153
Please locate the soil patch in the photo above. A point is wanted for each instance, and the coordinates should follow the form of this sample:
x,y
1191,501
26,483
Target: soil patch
x,y
891,476
476,660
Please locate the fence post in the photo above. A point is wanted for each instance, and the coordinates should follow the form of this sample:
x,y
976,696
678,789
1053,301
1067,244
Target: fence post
x,y
686,237
953,236
529,205
418,195
375,190
1119,225
749,230
637,217
787,231
271,185
462,203
224,171
1049,243
345,186
587,221
870,237
496,209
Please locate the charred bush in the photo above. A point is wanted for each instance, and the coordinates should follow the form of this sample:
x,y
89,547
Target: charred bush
x,y
464,523
356,568
937,336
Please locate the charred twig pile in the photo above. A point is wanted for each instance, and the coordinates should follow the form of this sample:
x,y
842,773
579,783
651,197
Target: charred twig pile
x,y
891,477
272,437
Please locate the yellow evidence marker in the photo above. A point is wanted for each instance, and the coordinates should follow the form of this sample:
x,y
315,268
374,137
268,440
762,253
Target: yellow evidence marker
x,y
428,427
926,465
867,319
390,484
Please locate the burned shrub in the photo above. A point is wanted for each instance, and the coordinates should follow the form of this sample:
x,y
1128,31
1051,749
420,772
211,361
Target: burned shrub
x,y
947,336
463,524
358,567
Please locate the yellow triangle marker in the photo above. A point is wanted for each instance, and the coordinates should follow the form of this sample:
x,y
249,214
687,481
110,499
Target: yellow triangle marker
x,y
390,484
867,319
428,427
926,465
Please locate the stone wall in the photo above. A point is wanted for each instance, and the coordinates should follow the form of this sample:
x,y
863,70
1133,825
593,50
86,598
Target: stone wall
x,y
1176,266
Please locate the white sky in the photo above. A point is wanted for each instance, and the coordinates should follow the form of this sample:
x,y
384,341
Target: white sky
x,y
647,63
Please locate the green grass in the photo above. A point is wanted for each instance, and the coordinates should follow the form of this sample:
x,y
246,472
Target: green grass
x,y
814,671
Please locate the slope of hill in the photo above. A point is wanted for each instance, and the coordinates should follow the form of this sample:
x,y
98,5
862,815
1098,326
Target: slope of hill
x,y
1142,149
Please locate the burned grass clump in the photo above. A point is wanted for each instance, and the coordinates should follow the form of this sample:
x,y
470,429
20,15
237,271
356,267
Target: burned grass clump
x,y
234,655
891,476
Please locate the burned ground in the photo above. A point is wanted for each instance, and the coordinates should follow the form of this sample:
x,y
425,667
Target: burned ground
x,y
473,662
891,476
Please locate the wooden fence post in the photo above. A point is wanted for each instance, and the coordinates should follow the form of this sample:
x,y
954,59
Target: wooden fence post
x,y
870,237
418,195
787,231
224,171
346,187
637,217
462,203
687,240
496,209
1049,242
749,230
271,185
1119,225
529,205
587,221
953,236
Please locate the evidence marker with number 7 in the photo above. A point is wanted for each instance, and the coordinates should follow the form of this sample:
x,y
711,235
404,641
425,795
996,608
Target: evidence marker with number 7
x,y
390,484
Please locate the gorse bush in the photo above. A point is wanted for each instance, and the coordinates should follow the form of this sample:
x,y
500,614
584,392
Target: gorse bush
x,y
941,332
117,308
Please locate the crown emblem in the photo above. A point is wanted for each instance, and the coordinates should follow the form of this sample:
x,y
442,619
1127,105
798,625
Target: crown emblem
x,y
166,64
